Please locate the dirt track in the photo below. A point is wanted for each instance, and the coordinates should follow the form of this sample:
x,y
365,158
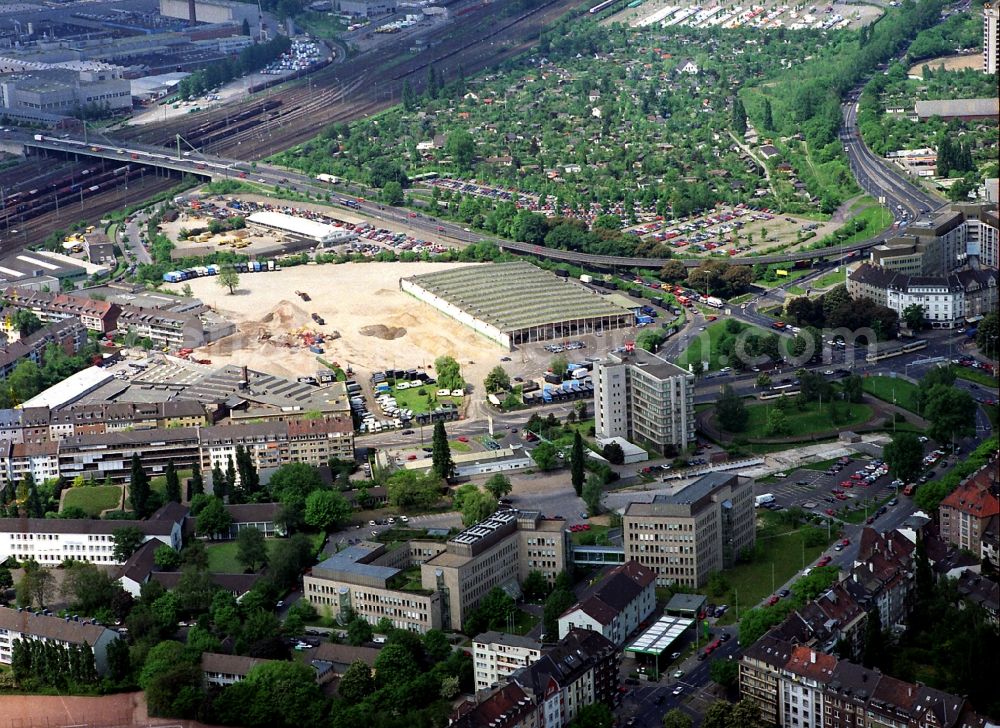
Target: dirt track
x,y
45,711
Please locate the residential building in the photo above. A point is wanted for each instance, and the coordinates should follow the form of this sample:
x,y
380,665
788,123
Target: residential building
x,y
977,589
22,624
622,600
109,456
341,656
883,573
496,655
497,552
580,670
644,399
68,334
506,707
370,581
965,512
701,528
99,316
991,51
50,541
990,548
221,670
798,687
276,442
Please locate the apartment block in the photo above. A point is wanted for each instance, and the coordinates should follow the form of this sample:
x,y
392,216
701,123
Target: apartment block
x,y
50,541
69,334
966,511
489,554
701,528
99,316
22,624
616,606
644,399
991,51
277,442
496,655
371,581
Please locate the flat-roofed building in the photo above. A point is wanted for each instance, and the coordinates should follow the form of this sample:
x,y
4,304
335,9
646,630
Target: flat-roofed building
x,y
497,552
701,528
357,580
276,442
300,227
22,624
517,303
644,399
495,655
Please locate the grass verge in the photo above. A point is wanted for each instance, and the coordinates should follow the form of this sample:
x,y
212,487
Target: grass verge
x,y
93,499
813,418
890,389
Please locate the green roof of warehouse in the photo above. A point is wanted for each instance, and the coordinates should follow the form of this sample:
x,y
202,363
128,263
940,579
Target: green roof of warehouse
x,y
515,295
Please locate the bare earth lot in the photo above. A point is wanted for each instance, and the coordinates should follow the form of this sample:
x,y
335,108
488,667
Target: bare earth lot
x,y
948,63
379,326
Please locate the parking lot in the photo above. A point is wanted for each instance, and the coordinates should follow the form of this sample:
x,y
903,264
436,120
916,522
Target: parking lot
x,y
834,491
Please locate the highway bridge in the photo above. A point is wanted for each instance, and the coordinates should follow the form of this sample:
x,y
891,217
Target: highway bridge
x,y
194,162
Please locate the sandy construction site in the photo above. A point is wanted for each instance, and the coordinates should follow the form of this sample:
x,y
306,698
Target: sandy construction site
x,y
369,324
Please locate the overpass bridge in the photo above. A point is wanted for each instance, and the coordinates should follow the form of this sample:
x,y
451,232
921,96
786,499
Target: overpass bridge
x,y
213,167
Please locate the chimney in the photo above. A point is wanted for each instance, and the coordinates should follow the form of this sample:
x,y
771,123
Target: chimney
x,y
192,13
812,656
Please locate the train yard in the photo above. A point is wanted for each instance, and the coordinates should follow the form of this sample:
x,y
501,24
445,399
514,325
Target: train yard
x,y
281,116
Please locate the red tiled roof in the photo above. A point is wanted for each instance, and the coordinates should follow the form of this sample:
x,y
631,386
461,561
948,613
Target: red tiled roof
x,y
812,664
974,496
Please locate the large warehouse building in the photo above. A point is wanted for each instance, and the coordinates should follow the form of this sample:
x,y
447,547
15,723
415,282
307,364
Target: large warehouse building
x,y
300,227
517,303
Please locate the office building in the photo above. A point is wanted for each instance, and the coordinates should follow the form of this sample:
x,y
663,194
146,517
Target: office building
x,y
701,528
497,552
496,655
621,601
644,399
50,541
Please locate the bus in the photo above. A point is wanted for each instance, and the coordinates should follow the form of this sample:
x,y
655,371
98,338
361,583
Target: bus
x,y
764,396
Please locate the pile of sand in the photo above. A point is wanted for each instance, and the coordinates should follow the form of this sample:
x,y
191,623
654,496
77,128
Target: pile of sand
x,y
380,331
287,315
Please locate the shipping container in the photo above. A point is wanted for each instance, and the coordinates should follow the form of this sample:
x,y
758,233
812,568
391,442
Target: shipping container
x,y
586,278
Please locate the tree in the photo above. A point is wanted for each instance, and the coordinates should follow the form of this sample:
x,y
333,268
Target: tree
x,y
358,632
26,322
853,387
763,380
326,509
558,365
173,489
498,485
408,489
127,541
873,654
277,694
138,488
951,412
35,585
196,486
395,663
449,373
904,456
613,453
724,672
88,588
777,423
913,315
166,559
739,117
219,486
767,121
677,718
557,602
576,463
228,278
497,380
594,715
441,463
592,493
392,193
213,520
545,456
478,507
535,586
356,684
988,335
251,549
673,271
461,147
730,411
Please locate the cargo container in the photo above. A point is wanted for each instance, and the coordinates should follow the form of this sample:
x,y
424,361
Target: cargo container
x,y
552,378
270,265
174,276
561,273
586,278
642,319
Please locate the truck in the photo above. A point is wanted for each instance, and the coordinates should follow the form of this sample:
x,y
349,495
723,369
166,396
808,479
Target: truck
x,y
39,138
643,319
713,302
763,499
580,373
328,178
585,278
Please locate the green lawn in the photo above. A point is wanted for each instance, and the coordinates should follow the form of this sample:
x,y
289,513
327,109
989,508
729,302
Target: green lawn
x,y
695,350
779,548
93,499
590,536
792,275
889,389
459,446
321,25
813,418
859,515
418,399
830,279
159,482
222,556
975,375
821,465
523,622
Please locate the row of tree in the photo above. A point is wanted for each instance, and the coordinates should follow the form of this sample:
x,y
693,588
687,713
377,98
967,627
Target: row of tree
x,y
250,59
